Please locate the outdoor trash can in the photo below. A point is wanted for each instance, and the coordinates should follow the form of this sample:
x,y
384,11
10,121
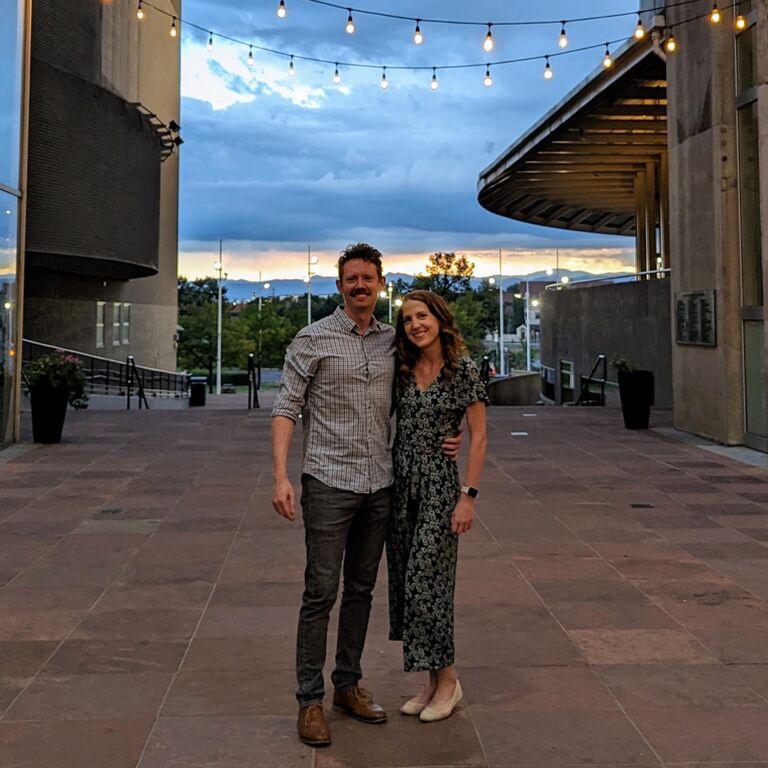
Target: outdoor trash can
x,y
197,387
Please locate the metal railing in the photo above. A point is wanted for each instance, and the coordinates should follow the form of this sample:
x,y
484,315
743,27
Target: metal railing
x,y
632,277
113,377
587,396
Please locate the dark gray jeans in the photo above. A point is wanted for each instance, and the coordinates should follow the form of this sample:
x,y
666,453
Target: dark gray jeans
x,y
340,526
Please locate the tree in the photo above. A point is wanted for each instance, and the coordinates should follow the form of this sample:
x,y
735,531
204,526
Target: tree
x,y
447,275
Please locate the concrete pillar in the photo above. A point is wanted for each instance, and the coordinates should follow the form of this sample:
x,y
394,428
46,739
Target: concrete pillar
x,y
651,206
640,228
664,210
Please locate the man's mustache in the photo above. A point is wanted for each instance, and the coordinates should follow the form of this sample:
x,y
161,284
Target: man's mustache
x,y
361,292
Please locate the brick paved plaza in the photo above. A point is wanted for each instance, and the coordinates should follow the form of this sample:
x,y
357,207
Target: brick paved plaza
x,y
611,605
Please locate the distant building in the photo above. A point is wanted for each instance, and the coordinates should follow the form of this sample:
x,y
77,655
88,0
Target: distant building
x,y
669,148
100,197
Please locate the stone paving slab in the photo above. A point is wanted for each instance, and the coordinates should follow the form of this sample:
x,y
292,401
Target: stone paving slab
x,y
612,603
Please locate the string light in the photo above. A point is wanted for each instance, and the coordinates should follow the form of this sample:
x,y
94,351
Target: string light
x,y
336,75
488,42
383,82
607,58
140,12
291,68
434,85
547,69
741,23
563,41
670,46
281,10
350,28
715,16
418,38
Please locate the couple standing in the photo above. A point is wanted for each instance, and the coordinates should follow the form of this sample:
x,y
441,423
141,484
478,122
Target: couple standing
x,y
341,375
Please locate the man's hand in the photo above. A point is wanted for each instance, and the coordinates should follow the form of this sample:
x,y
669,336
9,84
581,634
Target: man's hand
x,y
452,445
283,499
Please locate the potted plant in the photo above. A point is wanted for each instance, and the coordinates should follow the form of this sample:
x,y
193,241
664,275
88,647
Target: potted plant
x,y
55,380
635,391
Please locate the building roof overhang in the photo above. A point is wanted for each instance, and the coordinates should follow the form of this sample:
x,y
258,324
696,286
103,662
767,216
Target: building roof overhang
x,y
577,167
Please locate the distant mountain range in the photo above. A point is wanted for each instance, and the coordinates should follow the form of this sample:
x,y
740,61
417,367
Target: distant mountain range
x,y
245,290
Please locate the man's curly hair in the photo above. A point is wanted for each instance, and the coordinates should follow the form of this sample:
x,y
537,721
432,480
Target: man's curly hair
x,y
360,251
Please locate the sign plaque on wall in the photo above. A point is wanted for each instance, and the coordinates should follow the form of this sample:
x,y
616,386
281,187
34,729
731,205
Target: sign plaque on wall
x,y
695,318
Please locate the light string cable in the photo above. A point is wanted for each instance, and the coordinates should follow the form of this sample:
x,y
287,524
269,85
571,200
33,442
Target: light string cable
x,y
336,63
472,23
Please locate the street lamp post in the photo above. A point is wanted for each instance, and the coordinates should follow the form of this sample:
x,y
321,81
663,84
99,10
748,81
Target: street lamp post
x,y
311,261
492,280
218,266
528,304
388,295
262,287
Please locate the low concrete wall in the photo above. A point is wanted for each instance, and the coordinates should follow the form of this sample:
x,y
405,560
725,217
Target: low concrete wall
x,y
517,389
631,320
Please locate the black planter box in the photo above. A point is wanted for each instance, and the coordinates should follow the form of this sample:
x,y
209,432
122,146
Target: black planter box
x,y
636,391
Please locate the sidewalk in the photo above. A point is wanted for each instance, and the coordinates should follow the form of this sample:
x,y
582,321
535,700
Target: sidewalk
x,y
611,603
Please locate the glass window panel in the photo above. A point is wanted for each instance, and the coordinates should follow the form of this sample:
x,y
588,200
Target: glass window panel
x,y
9,217
11,52
126,318
749,207
746,60
99,323
116,324
754,377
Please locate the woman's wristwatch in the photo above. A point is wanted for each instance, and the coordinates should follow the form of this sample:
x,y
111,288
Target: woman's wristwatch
x,y
473,493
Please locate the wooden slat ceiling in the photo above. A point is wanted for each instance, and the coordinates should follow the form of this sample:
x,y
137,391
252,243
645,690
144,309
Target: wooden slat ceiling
x,y
576,168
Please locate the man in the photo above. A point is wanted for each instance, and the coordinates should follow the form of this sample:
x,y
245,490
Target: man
x,y
338,375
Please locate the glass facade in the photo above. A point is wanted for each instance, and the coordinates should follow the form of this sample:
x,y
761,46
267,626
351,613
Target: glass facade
x,y
750,235
11,88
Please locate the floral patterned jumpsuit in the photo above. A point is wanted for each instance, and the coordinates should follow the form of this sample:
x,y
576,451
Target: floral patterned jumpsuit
x,y
421,548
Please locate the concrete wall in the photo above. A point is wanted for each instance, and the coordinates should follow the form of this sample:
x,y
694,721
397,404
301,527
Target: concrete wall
x,y
704,222
520,388
105,45
762,110
631,320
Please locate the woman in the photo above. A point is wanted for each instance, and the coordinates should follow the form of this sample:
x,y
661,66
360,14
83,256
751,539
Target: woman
x,y
436,386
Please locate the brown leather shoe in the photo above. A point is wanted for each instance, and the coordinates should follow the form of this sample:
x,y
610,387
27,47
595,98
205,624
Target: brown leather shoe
x,y
313,729
358,703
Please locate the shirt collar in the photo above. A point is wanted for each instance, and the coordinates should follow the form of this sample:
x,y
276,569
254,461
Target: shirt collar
x,y
349,325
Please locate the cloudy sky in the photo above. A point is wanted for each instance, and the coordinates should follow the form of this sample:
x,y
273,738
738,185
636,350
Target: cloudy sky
x,y
273,163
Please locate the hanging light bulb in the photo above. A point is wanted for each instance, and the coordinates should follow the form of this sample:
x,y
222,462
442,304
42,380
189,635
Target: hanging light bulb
x,y
281,10
487,80
741,22
434,85
607,58
715,16
547,69
336,75
350,28
418,38
210,41
640,30
563,41
140,12
250,55
488,42
670,46
174,31
383,82
291,68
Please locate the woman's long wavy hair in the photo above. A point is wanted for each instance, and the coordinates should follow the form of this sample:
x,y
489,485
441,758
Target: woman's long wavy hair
x,y
450,338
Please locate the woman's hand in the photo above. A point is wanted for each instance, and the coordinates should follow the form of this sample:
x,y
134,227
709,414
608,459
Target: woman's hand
x,y
461,520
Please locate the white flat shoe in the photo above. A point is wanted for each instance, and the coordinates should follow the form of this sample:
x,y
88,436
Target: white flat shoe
x,y
412,707
433,714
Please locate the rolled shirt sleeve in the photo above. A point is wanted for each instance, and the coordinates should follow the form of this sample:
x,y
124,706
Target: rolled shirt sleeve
x,y
301,362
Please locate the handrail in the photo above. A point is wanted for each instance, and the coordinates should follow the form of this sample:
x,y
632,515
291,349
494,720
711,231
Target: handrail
x,y
631,277
585,395
111,377
133,373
